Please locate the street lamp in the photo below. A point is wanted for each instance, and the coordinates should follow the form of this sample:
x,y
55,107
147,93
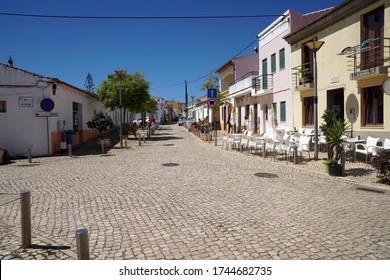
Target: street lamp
x,y
314,46
121,74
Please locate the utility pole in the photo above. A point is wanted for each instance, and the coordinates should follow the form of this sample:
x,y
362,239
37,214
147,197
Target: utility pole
x,y
185,82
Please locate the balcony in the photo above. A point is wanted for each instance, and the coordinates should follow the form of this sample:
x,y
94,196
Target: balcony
x,y
369,59
263,84
303,77
243,85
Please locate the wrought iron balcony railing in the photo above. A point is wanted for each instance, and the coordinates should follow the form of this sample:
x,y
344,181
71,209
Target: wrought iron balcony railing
x,y
263,82
372,57
303,76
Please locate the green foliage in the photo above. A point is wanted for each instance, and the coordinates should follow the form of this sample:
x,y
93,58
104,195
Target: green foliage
x,y
149,105
135,92
330,116
101,123
381,162
212,81
89,85
334,139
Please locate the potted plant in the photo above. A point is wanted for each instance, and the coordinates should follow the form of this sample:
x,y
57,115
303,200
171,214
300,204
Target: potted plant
x,y
335,143
101,123
330,116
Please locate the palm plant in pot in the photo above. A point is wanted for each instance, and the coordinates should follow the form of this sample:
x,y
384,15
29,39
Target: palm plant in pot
x,y
335,142
330,116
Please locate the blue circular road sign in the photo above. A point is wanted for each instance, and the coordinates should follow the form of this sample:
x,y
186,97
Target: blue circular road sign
x,y
47,104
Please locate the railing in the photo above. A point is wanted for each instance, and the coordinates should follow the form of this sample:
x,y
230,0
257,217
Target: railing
x,y
243,82
263,82
369,54
252,73
303,74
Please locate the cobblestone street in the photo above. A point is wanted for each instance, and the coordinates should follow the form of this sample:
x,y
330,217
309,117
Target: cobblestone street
x,y
177,197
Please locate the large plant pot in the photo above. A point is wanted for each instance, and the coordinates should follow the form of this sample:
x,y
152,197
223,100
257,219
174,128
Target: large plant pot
x,y
335,170
326,162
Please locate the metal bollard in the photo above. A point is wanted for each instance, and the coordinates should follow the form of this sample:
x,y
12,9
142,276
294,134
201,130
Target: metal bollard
x,y
125,141
82,241
139,140
70,150
29,155
25,208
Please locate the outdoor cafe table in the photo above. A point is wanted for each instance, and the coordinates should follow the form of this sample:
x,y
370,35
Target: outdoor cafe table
x,y
353,142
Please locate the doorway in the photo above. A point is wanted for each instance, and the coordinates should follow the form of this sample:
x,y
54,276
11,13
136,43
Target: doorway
x,y
336,97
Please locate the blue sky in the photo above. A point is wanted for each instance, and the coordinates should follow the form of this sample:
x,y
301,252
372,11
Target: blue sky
x,y
168,52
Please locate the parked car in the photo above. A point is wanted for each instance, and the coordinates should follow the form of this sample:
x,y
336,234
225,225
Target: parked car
x,y
181,121
139,121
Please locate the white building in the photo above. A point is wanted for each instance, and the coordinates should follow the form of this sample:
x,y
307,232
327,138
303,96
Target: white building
x,y
35,111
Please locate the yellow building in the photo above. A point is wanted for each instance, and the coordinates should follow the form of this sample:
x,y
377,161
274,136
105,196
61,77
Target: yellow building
x,y
352,64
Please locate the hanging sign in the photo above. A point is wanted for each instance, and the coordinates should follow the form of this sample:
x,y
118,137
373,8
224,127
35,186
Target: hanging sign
x,y
47,104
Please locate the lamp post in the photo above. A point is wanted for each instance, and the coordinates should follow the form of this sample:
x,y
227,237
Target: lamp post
x,y
314,46
121,74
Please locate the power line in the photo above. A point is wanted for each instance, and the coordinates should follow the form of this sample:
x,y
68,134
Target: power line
x,y
204,76
135,17
240,52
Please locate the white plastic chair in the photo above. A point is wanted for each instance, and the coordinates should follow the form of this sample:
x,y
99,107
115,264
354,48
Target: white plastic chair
x,y
270,146
386,144
225,141
244,143
367,149
284,147
304,144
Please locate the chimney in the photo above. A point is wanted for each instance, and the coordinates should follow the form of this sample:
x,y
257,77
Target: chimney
x,y
10,62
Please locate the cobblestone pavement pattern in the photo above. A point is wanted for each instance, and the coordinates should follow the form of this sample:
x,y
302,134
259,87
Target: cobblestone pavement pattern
x,y
206,204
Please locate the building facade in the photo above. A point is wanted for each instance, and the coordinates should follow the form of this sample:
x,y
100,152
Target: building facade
x,y
236,87
273,87
352,65
35,111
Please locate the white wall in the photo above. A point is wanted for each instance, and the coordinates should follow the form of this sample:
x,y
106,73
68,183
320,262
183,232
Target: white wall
x,y
21,126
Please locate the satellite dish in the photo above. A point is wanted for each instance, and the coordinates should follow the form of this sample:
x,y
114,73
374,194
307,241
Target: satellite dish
x,y
386,86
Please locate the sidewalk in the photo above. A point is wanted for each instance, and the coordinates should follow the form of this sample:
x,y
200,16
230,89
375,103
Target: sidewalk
x,y
357,171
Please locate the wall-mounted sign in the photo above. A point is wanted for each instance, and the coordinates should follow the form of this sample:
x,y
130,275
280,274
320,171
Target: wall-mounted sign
x,y
47,104
334,79
25,101
45,114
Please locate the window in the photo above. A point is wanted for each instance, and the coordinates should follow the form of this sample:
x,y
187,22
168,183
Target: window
x,y
265,73
308,109
273,63
282,59
372,106
3,106
373,29
283,111
266,112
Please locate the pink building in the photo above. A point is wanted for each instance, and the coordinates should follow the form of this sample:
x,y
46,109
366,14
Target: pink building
x,y
273,87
